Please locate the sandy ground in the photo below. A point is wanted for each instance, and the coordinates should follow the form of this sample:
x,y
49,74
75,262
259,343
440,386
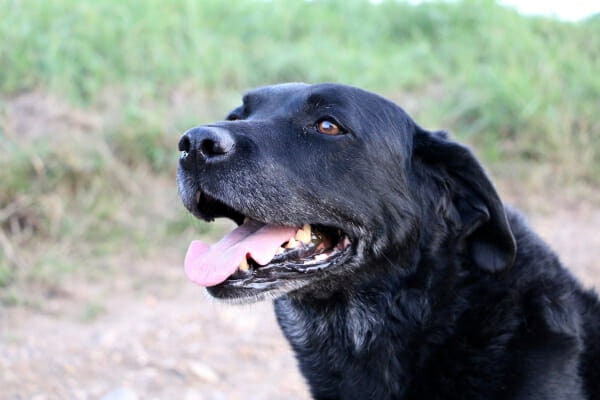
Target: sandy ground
x,y
167,342
153,335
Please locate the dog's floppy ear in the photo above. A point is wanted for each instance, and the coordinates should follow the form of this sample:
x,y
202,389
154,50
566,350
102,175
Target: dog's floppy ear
x,y
484,225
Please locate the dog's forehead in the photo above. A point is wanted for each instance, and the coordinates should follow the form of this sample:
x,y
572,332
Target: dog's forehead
x,y
282,89
275,94
293,97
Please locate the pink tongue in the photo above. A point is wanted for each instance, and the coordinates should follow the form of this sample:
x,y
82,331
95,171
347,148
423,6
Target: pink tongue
x,y
208,265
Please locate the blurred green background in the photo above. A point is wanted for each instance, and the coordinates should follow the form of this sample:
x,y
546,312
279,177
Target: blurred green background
x,y
94,95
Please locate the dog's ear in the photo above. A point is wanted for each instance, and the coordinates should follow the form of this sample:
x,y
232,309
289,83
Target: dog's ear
x,y
484,226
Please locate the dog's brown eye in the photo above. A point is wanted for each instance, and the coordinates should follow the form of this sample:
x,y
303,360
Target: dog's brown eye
x,y
328,127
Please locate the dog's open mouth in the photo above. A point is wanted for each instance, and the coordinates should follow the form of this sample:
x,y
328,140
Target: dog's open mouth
x,y
256,253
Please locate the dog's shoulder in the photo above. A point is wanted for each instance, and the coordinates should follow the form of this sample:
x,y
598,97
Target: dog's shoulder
x,y
540,283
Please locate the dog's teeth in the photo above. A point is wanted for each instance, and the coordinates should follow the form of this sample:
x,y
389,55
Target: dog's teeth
x,y
321,257
244,265
291,243
304,234
198,194
246,219
346,242
280,250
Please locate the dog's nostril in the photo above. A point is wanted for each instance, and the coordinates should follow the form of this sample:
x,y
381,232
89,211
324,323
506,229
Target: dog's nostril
x,y
185,147
185,144
213,143
210,147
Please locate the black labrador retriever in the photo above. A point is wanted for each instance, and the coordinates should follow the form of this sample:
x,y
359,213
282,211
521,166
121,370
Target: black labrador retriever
x,y
397,272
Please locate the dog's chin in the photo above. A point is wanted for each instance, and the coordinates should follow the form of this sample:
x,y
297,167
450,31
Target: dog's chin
x,y
276,279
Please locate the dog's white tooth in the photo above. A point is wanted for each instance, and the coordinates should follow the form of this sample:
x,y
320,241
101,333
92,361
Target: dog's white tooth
x,y
280,250
244,265
291,243
308,232
346,242
321,257
246,219
303,235
198,194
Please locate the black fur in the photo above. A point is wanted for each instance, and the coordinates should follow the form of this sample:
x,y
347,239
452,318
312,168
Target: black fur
x,y
445,293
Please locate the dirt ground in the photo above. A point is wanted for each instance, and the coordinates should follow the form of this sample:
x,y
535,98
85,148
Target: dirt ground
x,y
153,335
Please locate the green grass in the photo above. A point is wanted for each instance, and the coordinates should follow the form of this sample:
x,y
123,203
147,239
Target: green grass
x,y
522,90
500,73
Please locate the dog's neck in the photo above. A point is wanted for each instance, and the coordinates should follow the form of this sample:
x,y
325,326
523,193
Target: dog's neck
x,y
361,305
368,320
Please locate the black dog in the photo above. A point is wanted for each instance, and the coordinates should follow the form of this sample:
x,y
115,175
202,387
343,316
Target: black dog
x,y
407,277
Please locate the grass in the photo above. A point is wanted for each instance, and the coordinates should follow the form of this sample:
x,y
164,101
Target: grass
x,y
500,73
121,80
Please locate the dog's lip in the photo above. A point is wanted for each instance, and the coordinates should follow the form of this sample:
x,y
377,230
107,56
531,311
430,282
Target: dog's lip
x,y
207,207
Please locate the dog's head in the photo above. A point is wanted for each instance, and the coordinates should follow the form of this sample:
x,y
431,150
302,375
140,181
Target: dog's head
x,y
324,181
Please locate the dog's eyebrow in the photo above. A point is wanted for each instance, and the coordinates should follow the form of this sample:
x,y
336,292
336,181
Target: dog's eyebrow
x,y
248,102
252,100
317,101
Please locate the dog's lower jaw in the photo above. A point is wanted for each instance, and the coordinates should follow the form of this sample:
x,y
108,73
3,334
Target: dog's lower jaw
x,y
314,287
250,296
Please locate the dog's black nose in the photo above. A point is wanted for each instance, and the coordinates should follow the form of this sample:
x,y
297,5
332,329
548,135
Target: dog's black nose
x,y
204,144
